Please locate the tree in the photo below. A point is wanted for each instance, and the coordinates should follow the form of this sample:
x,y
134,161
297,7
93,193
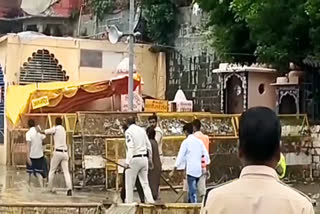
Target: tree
x,y
230,38
280,28
101,7
160,17
280,31
313,11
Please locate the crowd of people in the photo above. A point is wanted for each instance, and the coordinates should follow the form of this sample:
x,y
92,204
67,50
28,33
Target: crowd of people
x,y
144,157
258,190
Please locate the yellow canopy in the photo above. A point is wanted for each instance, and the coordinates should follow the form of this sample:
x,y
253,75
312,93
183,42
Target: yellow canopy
x,y
18,96
17,99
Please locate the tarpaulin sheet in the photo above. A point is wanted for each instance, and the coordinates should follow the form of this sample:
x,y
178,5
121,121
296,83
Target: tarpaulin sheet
x,y
63,96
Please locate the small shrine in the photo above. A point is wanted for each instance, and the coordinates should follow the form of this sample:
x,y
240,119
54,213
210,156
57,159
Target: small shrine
x,y
288,92
180,103
242,87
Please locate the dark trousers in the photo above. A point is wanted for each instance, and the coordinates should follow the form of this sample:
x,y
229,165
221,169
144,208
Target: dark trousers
x,y
38,165
138,186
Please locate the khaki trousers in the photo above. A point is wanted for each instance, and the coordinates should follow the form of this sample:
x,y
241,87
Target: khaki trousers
x,y
60,158
202,185
138,167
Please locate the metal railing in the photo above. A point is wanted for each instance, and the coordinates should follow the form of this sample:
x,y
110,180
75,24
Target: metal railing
x,y
51,208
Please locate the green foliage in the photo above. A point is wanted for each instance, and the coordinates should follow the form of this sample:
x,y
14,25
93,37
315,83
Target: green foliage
x,y
277,31
101,7
160,16
229,38
280,28
313,11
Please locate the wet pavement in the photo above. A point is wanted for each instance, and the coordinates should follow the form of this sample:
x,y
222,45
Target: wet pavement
x,y
312,190
14,188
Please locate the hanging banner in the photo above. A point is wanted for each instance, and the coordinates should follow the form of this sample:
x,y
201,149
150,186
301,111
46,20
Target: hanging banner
x,y
185,106
137,102
181,106
40,102
152,105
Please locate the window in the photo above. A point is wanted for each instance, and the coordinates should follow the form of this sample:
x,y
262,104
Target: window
x,y
42,67
261,88
91,58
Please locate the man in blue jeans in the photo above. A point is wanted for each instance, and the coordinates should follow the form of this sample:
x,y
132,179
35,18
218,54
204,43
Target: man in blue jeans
x,y
189,158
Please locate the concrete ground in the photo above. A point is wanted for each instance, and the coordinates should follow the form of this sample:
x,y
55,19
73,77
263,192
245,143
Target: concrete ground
x,y
14,188
312,190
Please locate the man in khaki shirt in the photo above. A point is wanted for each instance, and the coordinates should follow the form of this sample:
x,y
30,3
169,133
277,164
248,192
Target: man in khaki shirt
x,y
258,189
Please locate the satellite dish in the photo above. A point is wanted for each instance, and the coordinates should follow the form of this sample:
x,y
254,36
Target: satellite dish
x,y
35,7
114,34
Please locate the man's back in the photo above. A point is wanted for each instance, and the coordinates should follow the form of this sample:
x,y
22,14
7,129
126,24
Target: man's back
x,y
35,139
190,155
204,138
257,191
138,139
59,135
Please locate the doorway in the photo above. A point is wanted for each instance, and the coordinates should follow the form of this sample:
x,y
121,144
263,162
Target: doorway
x,y
233,96
288,105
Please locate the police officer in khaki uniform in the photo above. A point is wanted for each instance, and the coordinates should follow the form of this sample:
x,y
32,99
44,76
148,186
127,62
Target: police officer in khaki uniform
x,y
258,189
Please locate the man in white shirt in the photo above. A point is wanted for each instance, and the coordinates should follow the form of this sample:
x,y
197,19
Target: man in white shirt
x,y
138,157
190,158
36,163
60,155
153,122
205,140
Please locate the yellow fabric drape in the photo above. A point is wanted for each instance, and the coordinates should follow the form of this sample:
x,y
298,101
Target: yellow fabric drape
x,y
70,92
17,100
18,97
60,85
93,88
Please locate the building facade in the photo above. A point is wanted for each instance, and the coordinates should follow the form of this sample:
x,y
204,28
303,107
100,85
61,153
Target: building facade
x,y
30,57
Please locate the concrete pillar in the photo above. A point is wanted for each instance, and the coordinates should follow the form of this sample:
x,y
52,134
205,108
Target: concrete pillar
x,y
40,28
161,76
